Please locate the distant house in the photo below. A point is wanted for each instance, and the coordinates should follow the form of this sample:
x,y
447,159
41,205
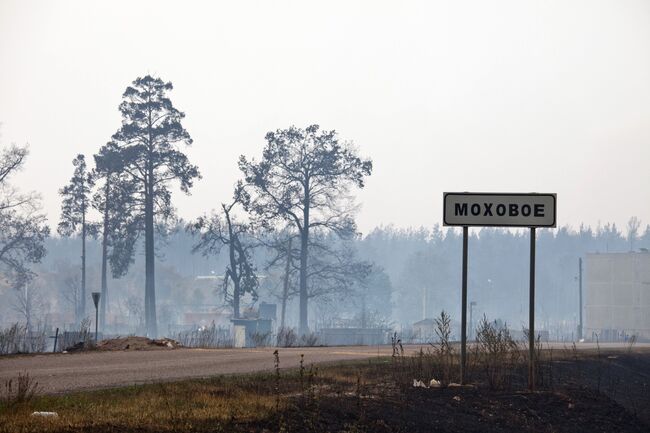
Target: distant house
x,y
425,330
617,296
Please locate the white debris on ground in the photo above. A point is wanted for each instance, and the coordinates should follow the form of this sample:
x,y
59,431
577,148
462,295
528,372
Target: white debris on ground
x,y
418,384
432,384
46,414
437,384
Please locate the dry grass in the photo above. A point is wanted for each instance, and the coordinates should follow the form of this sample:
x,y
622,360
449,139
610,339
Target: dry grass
x,y
188,405
19,391
216,404
19,338
209,337
286,337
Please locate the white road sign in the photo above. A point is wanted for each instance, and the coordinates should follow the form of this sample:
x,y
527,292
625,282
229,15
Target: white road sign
x,y
499,209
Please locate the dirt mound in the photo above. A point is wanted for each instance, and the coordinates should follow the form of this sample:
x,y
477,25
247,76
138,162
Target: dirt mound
x,y
137,343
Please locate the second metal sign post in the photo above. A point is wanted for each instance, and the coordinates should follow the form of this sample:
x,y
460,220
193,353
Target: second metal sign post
x,y
532,210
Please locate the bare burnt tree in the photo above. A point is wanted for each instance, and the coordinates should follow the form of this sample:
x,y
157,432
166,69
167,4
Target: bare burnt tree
x,y
219,230
334,270
135,311
74,212
22,224
304,179
71,292
119,227
28,303
150,141
373,297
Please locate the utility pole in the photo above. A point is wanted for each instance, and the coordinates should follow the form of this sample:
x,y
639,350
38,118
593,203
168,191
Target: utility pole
x,y
472,304
580,297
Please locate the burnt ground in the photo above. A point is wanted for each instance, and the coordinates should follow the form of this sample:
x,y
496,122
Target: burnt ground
x,y
623,377
467,410
596,392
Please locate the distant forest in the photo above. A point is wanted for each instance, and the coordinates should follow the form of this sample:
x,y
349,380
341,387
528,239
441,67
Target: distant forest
x,y
407,262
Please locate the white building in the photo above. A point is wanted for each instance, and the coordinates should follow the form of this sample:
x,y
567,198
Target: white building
x,y
617,296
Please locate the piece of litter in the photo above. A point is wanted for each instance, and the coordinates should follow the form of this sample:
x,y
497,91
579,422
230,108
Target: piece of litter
x,y
418,384
46,414
434,383
457,398
454,385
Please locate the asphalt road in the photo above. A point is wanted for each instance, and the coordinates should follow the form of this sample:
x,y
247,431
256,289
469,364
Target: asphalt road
x,y
61,373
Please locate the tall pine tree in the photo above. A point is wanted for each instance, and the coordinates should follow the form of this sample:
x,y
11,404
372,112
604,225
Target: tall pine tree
x,y
150,142
74,210
119,225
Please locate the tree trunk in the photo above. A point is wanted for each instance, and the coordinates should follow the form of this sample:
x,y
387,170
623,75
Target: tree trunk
x,y
235,300
82,307
285,289
150,288
104,291
234,274
304,242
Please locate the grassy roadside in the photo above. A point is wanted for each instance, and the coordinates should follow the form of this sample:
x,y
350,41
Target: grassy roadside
x,y
221,403
375,395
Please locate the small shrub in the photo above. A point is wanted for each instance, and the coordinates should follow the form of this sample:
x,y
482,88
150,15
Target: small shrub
x,y
20,390
396,343
443,351
286,337
261,339
276,385
10,339
309,340
499,353
82,339
631,343
19,338
209,337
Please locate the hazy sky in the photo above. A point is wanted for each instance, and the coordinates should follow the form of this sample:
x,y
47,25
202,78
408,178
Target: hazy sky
x,y
546,96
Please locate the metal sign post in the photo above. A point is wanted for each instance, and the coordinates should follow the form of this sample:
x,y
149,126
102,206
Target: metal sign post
x,y
499,210
463,314
96,296
56,337
531,315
